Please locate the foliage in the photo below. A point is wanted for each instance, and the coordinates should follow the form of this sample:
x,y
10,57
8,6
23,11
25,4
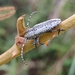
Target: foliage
x,y
47,55
72,69
66,66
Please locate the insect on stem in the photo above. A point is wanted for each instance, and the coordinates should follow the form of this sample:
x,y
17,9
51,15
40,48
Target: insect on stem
x,y
36,31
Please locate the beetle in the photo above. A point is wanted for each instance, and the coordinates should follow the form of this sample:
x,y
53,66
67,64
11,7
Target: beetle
x,y
36,31
41,28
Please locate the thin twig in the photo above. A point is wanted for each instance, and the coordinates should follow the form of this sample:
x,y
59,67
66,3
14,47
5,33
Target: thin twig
x,y
5,15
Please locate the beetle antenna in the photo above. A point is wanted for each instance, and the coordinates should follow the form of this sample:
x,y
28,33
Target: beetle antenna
x,y
22,51
31,16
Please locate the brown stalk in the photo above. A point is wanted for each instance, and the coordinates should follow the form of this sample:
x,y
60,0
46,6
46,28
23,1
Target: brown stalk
x,y
14,51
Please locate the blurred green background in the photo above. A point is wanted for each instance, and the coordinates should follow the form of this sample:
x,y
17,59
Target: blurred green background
x,y
58,58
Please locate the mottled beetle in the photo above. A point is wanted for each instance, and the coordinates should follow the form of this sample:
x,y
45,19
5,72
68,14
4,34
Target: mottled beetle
x,y
39,29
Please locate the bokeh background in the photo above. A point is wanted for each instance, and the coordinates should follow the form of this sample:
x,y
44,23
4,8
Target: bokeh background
x,y
58,58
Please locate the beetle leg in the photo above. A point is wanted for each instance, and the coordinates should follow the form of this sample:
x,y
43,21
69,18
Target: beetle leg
x,y
39,41
36,41
60,29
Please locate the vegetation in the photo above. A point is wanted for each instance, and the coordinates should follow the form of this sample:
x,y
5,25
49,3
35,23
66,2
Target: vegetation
x,y
53,60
